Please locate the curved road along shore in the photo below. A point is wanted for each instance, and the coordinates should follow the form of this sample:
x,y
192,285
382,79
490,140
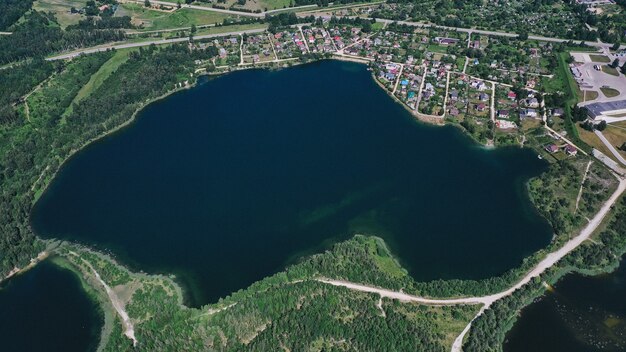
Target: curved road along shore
x,y
550,260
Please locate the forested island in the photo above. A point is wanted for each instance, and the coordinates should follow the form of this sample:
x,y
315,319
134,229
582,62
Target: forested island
x,y
51,109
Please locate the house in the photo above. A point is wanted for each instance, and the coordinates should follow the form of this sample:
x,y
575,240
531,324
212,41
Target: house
x,y
481,107
483,97
552,148
411,95
454,111
476,84
532,102
512,95
454,95
503,114
558,112
528,113
390,76
571,150
446,41
222,52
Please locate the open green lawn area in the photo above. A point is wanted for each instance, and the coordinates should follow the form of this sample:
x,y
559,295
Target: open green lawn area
x,y
599,58
610,92
61,9
270,4
233,28
610,70
156,20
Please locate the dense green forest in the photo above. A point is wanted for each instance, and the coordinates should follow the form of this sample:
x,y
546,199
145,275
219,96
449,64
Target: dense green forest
x,y
34,143
11,11
39,34
288,310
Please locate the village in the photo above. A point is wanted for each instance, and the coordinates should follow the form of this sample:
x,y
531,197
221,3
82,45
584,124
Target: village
x,y
497,89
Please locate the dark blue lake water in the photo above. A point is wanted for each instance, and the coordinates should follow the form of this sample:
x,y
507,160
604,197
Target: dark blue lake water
x,y
228,182
582,314
45,309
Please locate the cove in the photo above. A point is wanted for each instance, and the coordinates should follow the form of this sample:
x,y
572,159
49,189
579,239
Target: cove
x,y
45,309
582,314
230,181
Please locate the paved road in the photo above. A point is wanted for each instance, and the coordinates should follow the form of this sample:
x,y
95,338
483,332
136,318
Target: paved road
x,y
550,260
148,43
495,33
230,12
202,8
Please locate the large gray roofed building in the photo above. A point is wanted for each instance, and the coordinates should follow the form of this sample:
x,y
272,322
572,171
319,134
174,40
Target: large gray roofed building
x,y
596,109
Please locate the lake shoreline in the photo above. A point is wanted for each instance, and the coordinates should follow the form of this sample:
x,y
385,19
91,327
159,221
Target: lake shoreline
x,y
128,123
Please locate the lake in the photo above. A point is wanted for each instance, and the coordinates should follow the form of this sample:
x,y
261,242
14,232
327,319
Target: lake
x,y
231,181
46,309
581,314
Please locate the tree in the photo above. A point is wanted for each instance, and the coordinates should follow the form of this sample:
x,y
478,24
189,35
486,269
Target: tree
x,y
623,69
522,35
193,29
178,5
615,63
601,126
623,147
616,46
367,27
146,3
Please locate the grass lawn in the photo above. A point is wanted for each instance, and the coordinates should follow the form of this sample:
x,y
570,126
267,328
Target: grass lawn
x,y
437,49
233,28
61,9
610,92
599,58
610,70
157,20
588,95
616,136
270,4
591,139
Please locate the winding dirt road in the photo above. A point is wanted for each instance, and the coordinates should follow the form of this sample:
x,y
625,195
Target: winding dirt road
x,y
549,261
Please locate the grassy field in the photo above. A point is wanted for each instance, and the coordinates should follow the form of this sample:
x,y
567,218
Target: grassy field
x,y
610,92
616,136
233,28
588,95
149,19
599,58
61,9
610,70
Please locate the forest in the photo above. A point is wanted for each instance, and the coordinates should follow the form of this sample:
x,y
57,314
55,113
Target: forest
x,y
12,10
39,35
37,136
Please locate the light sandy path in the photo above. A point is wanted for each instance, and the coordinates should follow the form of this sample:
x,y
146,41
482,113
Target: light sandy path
x,y
549,261
129,329
580,191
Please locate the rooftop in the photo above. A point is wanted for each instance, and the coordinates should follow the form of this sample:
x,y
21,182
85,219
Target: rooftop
x,y
597,109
